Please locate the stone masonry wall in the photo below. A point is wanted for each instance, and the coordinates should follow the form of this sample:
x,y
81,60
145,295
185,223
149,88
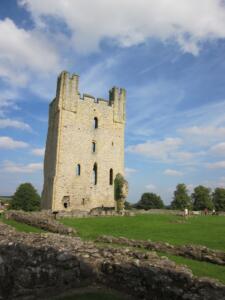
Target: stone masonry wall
x,y
69,143
32,265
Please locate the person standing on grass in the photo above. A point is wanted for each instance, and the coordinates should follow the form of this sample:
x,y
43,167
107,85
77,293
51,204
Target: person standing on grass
x,y
185,212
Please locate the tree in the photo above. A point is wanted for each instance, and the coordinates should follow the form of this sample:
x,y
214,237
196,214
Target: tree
x,y
149,201
181,199
120,191
127,205
219,199
202,198
26,198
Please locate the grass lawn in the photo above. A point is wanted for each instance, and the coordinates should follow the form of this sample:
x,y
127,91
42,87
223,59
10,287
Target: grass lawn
x,y
20,226
200,269
202,230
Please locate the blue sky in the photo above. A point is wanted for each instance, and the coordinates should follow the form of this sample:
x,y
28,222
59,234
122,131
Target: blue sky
x,y
168,54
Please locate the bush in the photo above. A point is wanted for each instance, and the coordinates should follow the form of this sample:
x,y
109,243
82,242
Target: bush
x,y
149,201
25,198
120,191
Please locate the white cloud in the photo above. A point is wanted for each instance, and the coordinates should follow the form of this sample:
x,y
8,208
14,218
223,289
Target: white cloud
x,y
38,151
171,172
217,165
150,187
157,149
5,123
9,143
189,22
190,187
7,100
218,149
22,51
221,182
11,167
129,171
203,135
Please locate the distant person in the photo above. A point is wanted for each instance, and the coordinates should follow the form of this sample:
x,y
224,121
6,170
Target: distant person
x,y
206,211
185,212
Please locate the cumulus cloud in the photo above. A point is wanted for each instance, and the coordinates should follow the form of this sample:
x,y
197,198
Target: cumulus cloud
x,y
129,171
161,150
150,187
11,167
22,51
218,149
217,165
171,172
203,135
189,22
38,151
5,123
9,143
7,100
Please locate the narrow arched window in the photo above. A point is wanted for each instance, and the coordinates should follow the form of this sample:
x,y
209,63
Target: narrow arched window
x,y
95,174
78,170
95,125
93,147
111,176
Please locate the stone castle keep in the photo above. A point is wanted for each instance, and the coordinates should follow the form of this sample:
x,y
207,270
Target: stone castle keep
x,y
84,149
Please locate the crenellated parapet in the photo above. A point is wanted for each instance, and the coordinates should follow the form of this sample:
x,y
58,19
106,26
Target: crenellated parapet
x,y
117,98
67,92
68,97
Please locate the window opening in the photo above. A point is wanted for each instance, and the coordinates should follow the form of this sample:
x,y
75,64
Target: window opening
x,y
111,176
95,174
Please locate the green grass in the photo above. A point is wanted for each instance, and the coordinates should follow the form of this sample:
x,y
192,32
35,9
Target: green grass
x,y
21,226
201,230
200,269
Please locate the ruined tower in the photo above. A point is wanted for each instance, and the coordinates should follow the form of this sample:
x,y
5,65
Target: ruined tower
x,y
84,148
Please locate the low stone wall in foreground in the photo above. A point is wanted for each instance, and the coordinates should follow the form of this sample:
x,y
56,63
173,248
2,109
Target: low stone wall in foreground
x,y
32,265
196,252
40,220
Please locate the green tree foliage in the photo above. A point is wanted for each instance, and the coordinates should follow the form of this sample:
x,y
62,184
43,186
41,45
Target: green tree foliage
x,y
25,198
120,191
219,199
149,201
181,199
202,198
127,205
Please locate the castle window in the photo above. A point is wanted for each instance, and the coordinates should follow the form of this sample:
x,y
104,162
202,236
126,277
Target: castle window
x,y
111,176
95,125
95,174
93,147
78,170
66,201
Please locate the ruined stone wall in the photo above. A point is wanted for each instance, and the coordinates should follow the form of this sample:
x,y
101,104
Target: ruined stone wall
x,y
196,252
71,135
40,220
33,265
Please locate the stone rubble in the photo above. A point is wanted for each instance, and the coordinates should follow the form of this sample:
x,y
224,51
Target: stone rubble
x,y
32,265
40,220
196,252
